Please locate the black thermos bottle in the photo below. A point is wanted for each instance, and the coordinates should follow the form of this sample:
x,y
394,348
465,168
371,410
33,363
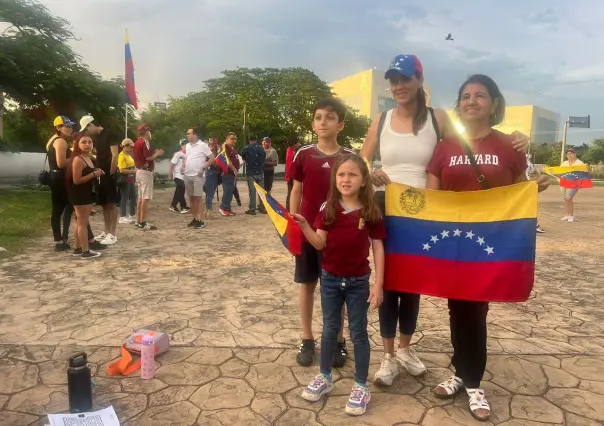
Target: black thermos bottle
x,y
79,385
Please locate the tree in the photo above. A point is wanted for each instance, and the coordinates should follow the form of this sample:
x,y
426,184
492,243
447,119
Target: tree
x,y
278,103
554,155
540,153
595,152
43,77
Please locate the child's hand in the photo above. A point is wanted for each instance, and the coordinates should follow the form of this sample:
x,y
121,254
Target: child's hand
x,y
301,220
376,297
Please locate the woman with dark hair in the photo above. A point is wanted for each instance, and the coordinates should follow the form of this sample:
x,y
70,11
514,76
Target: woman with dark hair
x,y
58,154
403,140
480,106
81,176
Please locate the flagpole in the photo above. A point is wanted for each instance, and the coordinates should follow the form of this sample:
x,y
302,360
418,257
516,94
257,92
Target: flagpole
x,y
126,128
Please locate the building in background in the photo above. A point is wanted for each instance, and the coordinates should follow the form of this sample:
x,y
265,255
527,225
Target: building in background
x,y
367,92
540,124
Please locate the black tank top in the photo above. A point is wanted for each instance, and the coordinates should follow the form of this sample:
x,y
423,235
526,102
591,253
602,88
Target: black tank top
x,y
85,171
52,156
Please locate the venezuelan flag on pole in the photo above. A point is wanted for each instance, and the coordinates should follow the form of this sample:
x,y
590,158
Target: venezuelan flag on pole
x,y
129,78
289,231
572,177
222,161
477,245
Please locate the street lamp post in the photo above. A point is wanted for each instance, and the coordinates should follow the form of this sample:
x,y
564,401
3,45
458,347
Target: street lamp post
x,y
576,122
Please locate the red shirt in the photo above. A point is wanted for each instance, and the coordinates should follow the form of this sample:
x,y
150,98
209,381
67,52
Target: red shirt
x,y
289,159
140,154
312,168
495,157
231,152
346,253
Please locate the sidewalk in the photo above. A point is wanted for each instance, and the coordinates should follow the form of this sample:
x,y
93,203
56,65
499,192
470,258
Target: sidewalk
x,y
226,297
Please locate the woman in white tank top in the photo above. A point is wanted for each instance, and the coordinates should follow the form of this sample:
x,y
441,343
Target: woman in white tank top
x,y
408,136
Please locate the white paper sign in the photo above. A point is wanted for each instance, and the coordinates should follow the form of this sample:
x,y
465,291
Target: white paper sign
x,y
105,417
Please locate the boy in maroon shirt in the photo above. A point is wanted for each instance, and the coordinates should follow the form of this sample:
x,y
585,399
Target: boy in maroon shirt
x,y
311,171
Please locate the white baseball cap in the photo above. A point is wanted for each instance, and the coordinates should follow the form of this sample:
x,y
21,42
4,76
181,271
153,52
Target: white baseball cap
x,y
85,121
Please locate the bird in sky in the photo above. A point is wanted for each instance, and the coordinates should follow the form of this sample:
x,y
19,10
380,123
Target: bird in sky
x,y
449,37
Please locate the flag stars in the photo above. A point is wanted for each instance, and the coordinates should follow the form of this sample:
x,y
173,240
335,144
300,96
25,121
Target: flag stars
x,y
441,236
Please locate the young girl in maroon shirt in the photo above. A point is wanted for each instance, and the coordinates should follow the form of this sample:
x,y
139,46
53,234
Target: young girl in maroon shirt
x,y
480,106
348,224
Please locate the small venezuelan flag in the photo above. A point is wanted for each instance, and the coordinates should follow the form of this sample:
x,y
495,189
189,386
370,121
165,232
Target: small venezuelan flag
x,y
129,77
572,177
477,245
222,161
289,231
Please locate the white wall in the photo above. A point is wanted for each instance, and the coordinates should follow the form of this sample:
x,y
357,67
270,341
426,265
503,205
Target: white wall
x,y
15,166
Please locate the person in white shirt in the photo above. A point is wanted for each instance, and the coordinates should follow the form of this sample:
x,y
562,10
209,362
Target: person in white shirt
x,y
198,157
176,174
569,193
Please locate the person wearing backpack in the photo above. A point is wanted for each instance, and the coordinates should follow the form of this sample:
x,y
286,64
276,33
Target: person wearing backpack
x,y
58,155
402,140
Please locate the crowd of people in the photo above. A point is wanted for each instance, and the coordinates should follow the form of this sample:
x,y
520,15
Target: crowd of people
x,y
337,197
119,177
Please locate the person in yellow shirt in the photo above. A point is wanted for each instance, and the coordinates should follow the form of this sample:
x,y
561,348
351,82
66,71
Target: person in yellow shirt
x,y
126,182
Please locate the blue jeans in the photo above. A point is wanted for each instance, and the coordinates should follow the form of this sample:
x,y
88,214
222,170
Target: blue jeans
x,y
259,179
211,186
354,291
129,195
228,186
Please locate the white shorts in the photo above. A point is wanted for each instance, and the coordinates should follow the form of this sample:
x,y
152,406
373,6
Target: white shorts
x,y
144,182
194,185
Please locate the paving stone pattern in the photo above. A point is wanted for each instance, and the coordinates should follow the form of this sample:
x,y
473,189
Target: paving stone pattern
x,y
226,297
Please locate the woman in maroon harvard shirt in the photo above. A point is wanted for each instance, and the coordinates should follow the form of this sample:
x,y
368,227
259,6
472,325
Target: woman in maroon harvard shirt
x,y
480,106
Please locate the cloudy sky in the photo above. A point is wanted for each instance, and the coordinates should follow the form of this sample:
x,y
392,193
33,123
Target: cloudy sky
x,y
544,51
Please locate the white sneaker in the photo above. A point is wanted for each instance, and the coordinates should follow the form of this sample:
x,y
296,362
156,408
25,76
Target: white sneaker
x,y
125,220
132,218
100,237
388,371
109,239
564,219
571,218
408,359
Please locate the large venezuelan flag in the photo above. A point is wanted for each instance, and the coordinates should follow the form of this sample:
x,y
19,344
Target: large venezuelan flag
x,y
477,245
288,229
572,177
129,78
222,161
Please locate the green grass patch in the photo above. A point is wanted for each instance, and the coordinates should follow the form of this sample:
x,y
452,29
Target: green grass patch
x,y
23,214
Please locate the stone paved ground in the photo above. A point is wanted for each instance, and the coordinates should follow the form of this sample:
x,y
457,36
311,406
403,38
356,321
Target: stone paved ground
x,y
228,301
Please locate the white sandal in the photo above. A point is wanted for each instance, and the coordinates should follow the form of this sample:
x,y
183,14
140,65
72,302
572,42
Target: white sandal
x,y
451,386
478,402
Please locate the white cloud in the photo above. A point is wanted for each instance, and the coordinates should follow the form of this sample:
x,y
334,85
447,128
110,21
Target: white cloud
x,y
536,49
